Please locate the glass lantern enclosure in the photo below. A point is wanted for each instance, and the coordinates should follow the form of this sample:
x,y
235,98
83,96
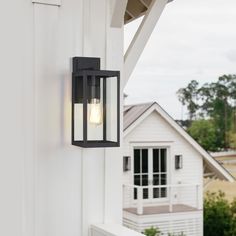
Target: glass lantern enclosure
x,y
95,104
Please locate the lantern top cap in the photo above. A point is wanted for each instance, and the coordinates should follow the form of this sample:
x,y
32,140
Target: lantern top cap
x,y
97,73
86,63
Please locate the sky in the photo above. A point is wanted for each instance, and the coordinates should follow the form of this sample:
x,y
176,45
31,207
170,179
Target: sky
x,y
193,40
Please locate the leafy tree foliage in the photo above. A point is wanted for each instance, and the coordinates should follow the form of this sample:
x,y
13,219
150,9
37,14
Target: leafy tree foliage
x,y
216,102
188,96
203,131
152,232
232,139
219,215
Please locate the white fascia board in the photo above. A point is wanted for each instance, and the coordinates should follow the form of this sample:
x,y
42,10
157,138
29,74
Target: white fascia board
x,y
139,120
48,2
117,19
224,173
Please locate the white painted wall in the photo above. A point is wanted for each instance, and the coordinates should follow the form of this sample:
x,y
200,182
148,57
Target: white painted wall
x,y
48,186
154,131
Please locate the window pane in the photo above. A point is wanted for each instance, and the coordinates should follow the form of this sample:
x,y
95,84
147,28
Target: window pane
x,y
163,192
163,160
145,193
137,180
145,180
136,161
163,179
135,193
156,193
144,161
155,179
155,160
111,109
78,121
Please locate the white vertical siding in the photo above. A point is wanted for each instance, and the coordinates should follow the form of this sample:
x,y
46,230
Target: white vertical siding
x,y
45,187
15,71
57,163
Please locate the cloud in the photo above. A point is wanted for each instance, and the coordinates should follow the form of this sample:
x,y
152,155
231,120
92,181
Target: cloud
x,y
231,55
192,40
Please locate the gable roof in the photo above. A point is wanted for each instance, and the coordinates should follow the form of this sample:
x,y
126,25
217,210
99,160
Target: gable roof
x,y
135,114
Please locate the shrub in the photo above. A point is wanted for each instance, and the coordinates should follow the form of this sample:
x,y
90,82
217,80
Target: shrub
x,y
219,215
152,232
156,232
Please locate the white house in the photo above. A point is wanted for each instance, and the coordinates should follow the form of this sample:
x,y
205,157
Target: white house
x,y
163,173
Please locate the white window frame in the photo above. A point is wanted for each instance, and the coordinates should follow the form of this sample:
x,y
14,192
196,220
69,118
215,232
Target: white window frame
x,y
152,145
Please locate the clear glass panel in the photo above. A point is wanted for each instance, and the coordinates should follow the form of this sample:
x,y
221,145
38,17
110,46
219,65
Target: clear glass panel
x,y
135,193
163,192
159,172
145,193
155,160
163,179
136,161
163,160
78,121
95,115
156,179
145,180
111,109
156,193
144,160
137,180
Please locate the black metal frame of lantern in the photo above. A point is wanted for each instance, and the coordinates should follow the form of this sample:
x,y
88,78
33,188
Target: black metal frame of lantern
x,y
89,89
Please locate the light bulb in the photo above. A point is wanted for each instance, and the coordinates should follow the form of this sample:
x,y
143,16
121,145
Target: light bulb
x,y
95,116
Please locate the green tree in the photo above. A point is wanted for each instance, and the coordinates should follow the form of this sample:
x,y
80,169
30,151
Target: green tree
x,y
219,215
188,96
215,101
216,105
204,132
232,140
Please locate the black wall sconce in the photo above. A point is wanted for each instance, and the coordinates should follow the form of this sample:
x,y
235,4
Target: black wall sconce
x,y
95,104
178,162
126,163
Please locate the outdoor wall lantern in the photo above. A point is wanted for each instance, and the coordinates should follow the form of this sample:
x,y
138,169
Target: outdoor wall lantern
x,y
178,162
126,163
95,104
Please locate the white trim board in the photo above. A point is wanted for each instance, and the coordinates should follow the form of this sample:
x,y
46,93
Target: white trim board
x,y
142,36
48,2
